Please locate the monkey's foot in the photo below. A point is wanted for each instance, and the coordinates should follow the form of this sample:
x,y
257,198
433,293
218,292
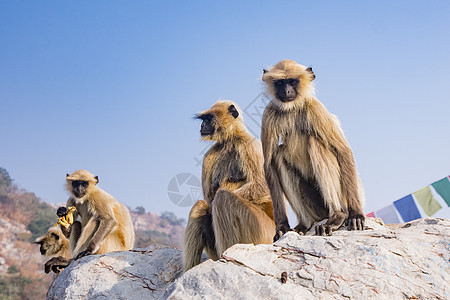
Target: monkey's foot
x,y
301,229
323,230
356,222
281,230
56,264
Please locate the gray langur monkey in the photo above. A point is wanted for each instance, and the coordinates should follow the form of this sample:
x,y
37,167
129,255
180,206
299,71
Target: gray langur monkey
x,y
102,224
307,159
237,206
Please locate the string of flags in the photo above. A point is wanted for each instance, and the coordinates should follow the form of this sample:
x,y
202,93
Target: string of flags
x,y
426,201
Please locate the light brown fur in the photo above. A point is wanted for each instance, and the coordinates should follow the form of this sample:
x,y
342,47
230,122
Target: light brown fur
x,y
96,206
102,224
54,243
237,206
305,152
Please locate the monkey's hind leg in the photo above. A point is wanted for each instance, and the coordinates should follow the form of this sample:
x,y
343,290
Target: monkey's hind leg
x,y
356,221
334,222
236,220
199,234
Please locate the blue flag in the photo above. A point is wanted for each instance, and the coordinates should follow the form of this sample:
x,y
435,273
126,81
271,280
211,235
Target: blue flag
x,y
407,208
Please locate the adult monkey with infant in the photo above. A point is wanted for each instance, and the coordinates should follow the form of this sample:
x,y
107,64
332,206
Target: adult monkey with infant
x,y
104,223
306,156
237,206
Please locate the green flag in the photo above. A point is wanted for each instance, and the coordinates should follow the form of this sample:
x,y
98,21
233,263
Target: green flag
x,y
442,187
429,205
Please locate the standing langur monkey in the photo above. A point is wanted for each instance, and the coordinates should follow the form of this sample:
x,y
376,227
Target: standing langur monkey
x,y
102,224
237,206
307,159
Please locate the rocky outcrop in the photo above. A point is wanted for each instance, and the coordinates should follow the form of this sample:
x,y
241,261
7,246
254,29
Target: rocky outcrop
x,y
136,274
407,262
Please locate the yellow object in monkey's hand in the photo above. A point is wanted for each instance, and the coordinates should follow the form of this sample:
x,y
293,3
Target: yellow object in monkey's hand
x,y
66,219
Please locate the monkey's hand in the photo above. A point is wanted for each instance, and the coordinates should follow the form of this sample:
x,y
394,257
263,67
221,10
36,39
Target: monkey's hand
x,y
65,216
281,230
56,264
355,222
62,211
84,253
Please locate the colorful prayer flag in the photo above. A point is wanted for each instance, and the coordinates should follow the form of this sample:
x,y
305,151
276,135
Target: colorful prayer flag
x,y
442,187
407,208
388,214
429,205
370,215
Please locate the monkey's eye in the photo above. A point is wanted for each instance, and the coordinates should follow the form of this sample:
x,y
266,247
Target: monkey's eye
x,y
293,82
85,184
205,117
279,82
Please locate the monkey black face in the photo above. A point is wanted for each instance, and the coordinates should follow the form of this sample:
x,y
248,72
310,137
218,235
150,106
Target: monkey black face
x,y
207,127
47,242
42,248
286,89
212,120
79,188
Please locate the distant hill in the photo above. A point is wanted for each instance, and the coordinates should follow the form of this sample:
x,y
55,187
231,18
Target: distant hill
x,y
24,217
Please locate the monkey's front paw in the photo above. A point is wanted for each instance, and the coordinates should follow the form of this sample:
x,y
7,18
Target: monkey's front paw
x,y
84,253
281,230
356,222
56,264
323,230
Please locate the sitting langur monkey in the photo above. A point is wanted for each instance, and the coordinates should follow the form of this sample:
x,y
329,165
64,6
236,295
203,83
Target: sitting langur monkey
x,y
102,224
308,161
237,206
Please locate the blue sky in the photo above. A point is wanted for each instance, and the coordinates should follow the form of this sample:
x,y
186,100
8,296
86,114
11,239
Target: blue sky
x,y
111,86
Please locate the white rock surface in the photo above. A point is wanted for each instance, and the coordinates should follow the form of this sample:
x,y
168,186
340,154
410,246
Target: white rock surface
x,y
136,274
407,262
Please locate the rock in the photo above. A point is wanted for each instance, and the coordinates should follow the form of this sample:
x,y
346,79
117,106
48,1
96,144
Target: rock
x,y
136,274
406,262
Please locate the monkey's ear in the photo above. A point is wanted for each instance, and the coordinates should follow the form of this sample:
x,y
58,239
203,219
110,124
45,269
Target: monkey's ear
x,y
96,178
310,70
55,236
67,175
233,111
265,71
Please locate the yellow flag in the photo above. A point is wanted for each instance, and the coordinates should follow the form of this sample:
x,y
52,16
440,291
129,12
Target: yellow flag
x,y
429,205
